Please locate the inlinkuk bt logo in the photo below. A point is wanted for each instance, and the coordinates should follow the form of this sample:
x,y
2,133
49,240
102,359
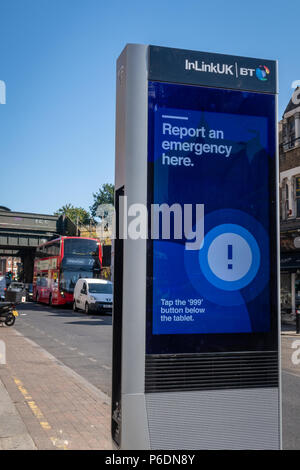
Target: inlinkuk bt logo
x,y
262,72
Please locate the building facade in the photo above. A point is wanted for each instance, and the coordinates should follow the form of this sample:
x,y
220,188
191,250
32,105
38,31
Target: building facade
x,y
289,161
10,264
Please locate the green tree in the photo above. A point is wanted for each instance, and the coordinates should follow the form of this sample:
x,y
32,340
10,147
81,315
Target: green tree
x,y
105,195
76,214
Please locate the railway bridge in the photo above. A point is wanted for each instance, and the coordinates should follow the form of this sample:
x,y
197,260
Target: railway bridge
x,y
21,233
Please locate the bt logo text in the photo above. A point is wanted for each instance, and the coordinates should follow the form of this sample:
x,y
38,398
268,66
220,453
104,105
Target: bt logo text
x,y
247,72
2,92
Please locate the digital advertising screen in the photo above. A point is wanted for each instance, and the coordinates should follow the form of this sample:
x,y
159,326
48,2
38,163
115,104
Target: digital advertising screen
x,y
211,177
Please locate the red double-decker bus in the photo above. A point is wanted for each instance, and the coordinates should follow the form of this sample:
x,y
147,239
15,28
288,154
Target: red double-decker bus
x,y
60,263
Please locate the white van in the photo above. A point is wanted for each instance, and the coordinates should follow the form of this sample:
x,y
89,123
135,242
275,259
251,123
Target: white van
x,y
93,295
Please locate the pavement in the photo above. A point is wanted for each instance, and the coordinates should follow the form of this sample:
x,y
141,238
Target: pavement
x,y
46,405
13,432
81,342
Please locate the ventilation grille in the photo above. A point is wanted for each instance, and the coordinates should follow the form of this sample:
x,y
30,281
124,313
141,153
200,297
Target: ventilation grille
x,y
214,419
165,373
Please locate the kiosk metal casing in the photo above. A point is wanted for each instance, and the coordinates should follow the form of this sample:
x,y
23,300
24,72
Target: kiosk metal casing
x,y
206,384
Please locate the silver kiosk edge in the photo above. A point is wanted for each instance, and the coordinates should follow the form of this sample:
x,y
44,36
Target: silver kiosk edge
x,y
239,406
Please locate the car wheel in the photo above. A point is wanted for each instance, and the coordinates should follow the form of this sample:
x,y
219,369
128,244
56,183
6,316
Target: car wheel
x,y
75,309
87,308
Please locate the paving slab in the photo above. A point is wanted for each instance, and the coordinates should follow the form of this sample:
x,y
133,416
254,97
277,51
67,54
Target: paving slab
x,y
13,432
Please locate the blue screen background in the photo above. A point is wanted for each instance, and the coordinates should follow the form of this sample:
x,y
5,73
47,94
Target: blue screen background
x,y
236,193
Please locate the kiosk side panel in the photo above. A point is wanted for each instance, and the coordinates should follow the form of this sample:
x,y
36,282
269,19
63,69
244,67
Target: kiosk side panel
x,y
131,172
117,326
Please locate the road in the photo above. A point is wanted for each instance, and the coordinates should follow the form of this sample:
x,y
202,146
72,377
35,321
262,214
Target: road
x,y
290,394
80,341
84,342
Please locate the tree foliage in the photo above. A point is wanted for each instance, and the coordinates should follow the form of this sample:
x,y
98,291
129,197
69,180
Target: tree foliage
x,y
105,195
76,214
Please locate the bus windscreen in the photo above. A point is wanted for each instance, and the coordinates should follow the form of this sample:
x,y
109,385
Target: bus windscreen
x,y
80,247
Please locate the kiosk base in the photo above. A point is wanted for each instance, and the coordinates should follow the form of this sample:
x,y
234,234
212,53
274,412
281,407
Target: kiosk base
x,y
214,419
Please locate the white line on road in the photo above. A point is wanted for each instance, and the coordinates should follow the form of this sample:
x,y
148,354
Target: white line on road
x,y
105,367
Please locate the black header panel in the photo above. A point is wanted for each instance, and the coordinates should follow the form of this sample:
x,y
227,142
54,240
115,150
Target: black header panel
x,y
214,70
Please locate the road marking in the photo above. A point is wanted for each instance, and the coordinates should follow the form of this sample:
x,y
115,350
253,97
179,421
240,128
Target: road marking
x,y
106,367
45,425
39,415
92,359
72,349
40,331
291,373
81,353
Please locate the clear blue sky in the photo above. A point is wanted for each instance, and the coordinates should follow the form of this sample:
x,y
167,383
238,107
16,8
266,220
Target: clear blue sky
x,y
58,57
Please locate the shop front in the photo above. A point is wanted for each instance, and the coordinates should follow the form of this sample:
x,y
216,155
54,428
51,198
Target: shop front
x,y
290,282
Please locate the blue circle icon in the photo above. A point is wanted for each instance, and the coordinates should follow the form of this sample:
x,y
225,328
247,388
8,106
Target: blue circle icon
x,y
230,257
230,268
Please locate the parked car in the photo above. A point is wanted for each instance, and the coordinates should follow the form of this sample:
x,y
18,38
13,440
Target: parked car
x,y
15,292
93,295
29,292
15,286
